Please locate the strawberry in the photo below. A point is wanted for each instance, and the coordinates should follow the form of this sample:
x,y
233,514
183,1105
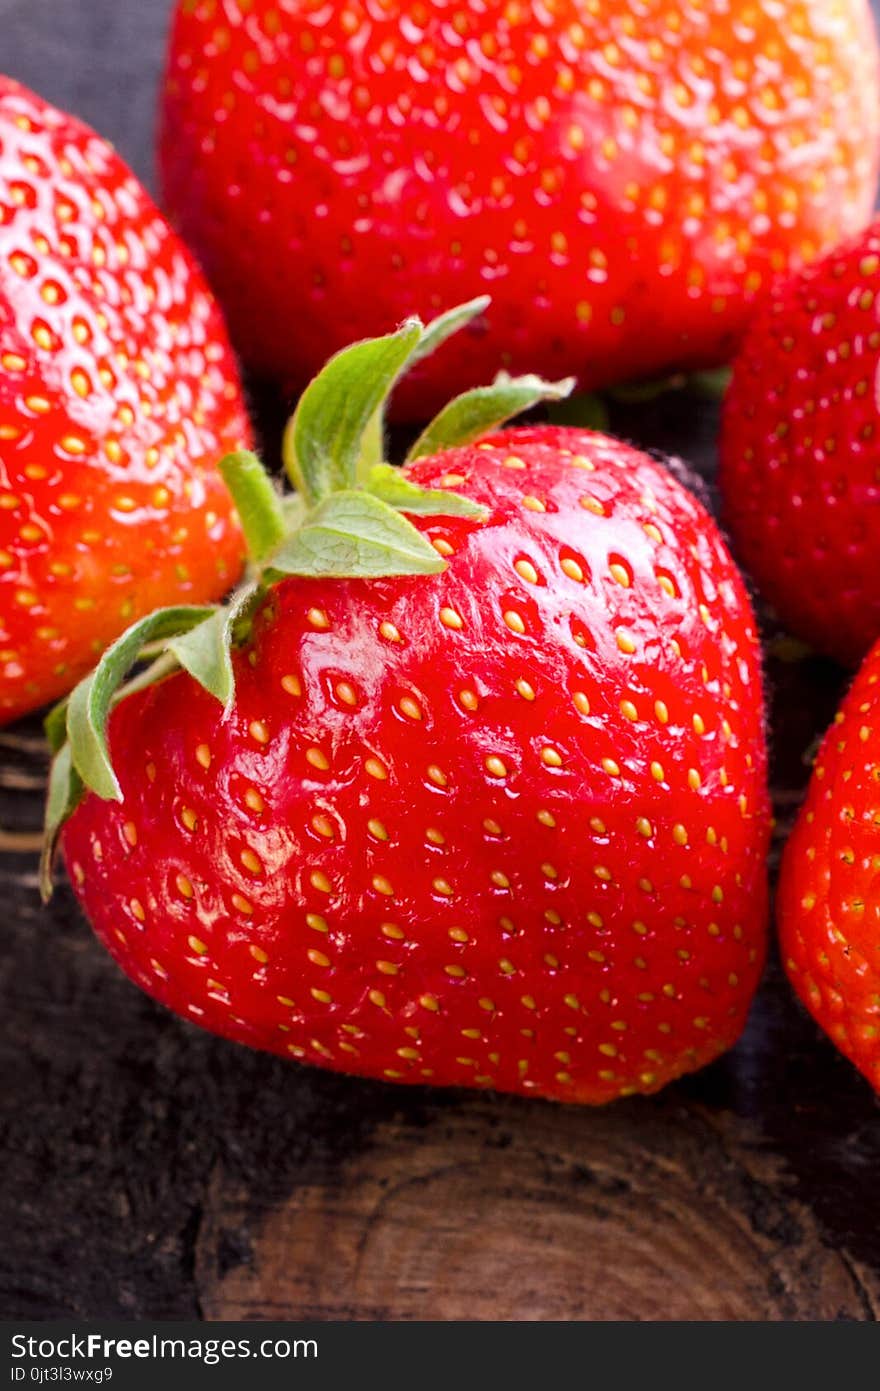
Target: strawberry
x,y
800,450
829,890
475,797
624,178
118,392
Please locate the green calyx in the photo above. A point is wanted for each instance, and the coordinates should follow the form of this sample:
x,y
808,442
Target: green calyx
x,y
346,520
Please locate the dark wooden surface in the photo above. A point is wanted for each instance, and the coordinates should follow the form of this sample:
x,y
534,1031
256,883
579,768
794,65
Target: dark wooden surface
x,y
152,1171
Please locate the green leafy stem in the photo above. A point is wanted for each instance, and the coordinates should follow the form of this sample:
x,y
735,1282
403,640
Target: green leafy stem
x,y
345,521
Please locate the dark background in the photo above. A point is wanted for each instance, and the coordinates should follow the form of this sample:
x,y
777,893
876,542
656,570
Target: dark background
x,y
152,1171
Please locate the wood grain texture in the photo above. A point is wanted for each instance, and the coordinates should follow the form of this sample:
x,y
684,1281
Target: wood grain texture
x,y
153,1171
505,1211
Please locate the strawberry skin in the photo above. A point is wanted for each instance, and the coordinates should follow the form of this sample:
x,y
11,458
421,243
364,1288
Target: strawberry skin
x,y
623,178
118,392
829,890
800,450
500,827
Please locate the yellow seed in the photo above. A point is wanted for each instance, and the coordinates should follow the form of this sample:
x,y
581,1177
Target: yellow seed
x,y
526,571
611,768
514,621
203,755
389,632
551,758
410,708
525,689
258,731
571,568
620,574
376,769
495,766
625,643
197,945
657,772
450,619
318,619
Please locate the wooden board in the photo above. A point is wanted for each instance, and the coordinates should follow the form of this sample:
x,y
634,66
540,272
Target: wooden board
x,y
152,1171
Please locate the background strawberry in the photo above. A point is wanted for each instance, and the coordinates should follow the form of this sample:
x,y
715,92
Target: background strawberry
x,y
499,823
800,450
118,392
829,891
623,177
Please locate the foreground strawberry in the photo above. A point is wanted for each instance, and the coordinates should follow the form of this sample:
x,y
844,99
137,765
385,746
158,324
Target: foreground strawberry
x,y
800,451
829,891
118,392
624,177
476,798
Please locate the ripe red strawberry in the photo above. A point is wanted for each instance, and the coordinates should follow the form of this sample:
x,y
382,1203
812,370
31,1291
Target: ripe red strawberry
x,y
800,450
118,392
499,823
623,177
829,891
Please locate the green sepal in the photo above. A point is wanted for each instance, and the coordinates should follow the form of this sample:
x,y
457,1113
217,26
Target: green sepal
x,y
585,412
324,437
89,703
256,501
711,384
353,535
65,792
206,650
392,486
476,412
55,726
445,325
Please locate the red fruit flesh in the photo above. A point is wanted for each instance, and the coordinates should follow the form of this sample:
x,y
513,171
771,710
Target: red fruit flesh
x,y
623,179
500,827
829,890
118,393
800,451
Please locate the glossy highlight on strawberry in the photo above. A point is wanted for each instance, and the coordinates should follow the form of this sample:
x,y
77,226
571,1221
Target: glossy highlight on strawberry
x,y
118,392
829,890
501,823
624,178
800,450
